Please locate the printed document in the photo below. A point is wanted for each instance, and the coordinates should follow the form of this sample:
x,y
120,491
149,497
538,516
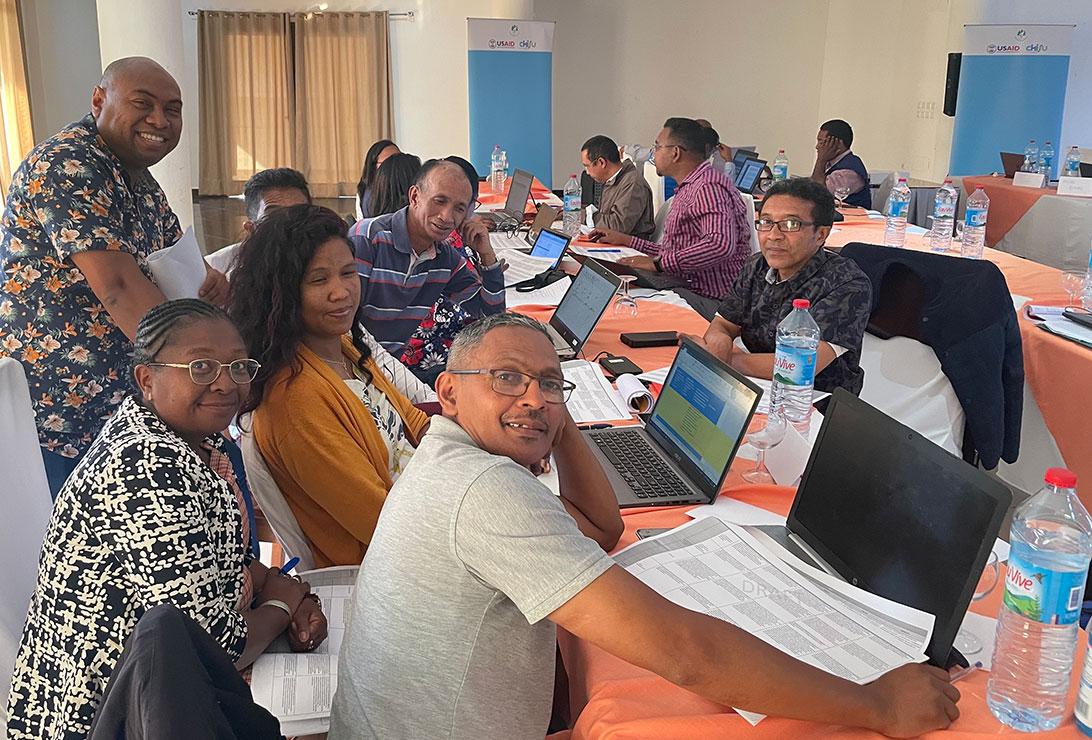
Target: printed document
x,y
179,270
594,399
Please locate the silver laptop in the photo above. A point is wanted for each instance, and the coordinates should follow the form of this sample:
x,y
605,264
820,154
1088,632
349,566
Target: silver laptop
x,y
581,308
693,433
518,193
544,219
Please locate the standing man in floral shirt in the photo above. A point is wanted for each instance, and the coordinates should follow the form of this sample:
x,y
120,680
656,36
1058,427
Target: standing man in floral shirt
x,y
83,214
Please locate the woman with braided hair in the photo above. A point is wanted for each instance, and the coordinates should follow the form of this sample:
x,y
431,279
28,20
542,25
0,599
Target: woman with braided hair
x,y
151,516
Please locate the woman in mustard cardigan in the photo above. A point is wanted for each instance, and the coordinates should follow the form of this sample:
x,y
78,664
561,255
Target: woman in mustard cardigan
x,y
332,429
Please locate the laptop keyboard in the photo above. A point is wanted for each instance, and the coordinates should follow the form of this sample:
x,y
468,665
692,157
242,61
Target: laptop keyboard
x,y
636,461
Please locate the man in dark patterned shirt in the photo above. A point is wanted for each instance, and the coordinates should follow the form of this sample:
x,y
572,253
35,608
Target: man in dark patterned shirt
x,y
83,214
793,225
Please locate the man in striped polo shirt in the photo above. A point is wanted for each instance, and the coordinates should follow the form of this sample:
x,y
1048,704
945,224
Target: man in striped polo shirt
x,y
406,261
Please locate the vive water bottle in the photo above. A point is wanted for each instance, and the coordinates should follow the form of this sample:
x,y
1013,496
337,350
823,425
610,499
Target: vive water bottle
x,y
497,173
1072,163
974,225
1037,627
1031,157
944,210
794,365
780,167
570,219
1046,159
898,207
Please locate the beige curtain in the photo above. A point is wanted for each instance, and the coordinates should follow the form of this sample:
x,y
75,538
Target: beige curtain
x,y
343,96
246,90
16,136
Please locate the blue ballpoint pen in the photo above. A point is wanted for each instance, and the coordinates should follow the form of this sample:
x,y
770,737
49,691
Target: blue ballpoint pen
x,y
289,565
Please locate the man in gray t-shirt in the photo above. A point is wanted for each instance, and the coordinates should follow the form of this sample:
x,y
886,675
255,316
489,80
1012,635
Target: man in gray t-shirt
x,y
451,631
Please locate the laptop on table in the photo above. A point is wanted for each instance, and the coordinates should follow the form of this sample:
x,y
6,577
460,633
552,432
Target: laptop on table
x,y
693,433
581,308
749,174
883,508
518,193
1011,162
544,219
545,256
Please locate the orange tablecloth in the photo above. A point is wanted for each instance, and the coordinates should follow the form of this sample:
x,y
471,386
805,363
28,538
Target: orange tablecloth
x,y
1057,370
1008,203
614,699
487,197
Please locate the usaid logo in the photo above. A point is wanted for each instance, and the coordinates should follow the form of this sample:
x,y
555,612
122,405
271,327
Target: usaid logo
x,y
501,44
1002,48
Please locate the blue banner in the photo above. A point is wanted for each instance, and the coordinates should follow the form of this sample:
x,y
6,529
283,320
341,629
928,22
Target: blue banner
x,y
1012,87
510,69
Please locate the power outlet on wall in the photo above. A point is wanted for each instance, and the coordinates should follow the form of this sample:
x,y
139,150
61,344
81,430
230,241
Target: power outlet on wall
x,y
926,110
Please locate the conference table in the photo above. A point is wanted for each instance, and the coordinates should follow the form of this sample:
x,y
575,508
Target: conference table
x,y
490,200
1036,223
610,698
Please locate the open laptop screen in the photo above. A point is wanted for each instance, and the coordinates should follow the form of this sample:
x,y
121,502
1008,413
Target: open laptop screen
x,y
897,515
748,174
584,302
518,192
551,244
703,412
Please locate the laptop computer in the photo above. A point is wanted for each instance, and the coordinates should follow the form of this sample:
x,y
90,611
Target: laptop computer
x,y
1011,162
885,509
693,433
518,193
741,154
544,219
545,255
1086,169
749,174
581,308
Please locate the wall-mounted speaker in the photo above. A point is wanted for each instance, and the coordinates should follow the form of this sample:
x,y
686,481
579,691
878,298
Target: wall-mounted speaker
x,y
951,83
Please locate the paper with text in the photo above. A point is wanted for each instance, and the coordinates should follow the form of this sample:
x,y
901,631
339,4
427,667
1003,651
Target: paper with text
x,y
594,399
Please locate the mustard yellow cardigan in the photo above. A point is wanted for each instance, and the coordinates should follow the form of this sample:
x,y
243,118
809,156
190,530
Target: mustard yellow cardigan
x,y
326,454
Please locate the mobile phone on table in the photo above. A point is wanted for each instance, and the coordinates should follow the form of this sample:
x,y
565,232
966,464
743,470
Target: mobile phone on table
x,y
650,338
651,532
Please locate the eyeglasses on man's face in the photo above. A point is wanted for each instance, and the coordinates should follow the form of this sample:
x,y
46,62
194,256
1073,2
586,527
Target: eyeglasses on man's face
x,y
514,383
785,225
205,371
656,146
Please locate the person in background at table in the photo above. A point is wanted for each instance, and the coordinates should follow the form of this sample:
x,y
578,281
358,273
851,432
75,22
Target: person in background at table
x,y
838,167
475,561
626,204
334,432
720,155
407,260
153,515
377,154
83,214
794,221
264,191
706,237
393,179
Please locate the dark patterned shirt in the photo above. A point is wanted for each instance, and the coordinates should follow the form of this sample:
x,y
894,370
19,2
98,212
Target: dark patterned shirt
x,y
72,195
841,300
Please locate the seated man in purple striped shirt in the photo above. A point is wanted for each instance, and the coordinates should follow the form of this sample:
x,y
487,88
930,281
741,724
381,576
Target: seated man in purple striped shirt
x,y
706,237
406,262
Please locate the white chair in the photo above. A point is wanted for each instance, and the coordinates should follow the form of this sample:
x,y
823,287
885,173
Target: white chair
x,y
879,195
749,201
27,506
661,219
272,503
903,378
654,181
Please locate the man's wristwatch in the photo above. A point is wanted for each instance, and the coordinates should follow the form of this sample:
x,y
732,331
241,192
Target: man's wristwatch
x,y
656,264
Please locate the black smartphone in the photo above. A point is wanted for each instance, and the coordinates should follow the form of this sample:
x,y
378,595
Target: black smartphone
x,y
649,338
651,532
616,365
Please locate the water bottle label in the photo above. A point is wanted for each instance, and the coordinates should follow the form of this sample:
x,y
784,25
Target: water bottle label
x,y
944,211
780,171
1043,595
572,202
898,208
976,217
794,366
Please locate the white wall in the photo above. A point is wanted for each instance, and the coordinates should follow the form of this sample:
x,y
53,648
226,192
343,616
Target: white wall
x,y
62,60
428,60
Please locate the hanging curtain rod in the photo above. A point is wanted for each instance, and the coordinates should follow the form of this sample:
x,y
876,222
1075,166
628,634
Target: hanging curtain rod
x,y
409,15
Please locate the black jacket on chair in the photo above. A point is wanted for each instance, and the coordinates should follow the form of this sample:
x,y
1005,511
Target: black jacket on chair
x,y
962,309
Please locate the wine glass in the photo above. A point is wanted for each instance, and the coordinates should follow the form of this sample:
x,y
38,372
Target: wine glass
x,y
1073,282
765,432
965,641
840,194
626,305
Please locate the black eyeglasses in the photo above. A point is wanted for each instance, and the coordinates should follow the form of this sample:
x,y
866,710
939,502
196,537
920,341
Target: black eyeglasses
x,y
785,225
656,147
205,371
514,383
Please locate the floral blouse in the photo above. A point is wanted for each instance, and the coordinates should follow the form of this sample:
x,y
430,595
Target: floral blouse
x,y
141,521
72,195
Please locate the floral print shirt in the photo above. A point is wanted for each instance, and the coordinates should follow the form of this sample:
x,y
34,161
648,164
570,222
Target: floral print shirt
x,y
71,195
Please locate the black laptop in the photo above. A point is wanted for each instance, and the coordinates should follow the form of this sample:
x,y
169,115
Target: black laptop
x,y
749,174
693,433
885,509
518,193
581,308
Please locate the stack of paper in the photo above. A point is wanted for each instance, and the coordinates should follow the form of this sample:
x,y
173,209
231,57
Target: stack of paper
x,y
604,252
1069,329
298,688
522,266
594,399
179,270
551,295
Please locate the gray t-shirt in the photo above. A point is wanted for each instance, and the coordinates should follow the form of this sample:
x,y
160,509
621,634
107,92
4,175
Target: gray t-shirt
x,y
447,635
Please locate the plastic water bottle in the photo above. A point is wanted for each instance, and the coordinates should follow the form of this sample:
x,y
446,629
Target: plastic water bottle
x,y
1031,157
571,217
1072,163
1046,159
974,225
780,167
497,170
1086,293
794,365
898,205
944,210
1051,540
